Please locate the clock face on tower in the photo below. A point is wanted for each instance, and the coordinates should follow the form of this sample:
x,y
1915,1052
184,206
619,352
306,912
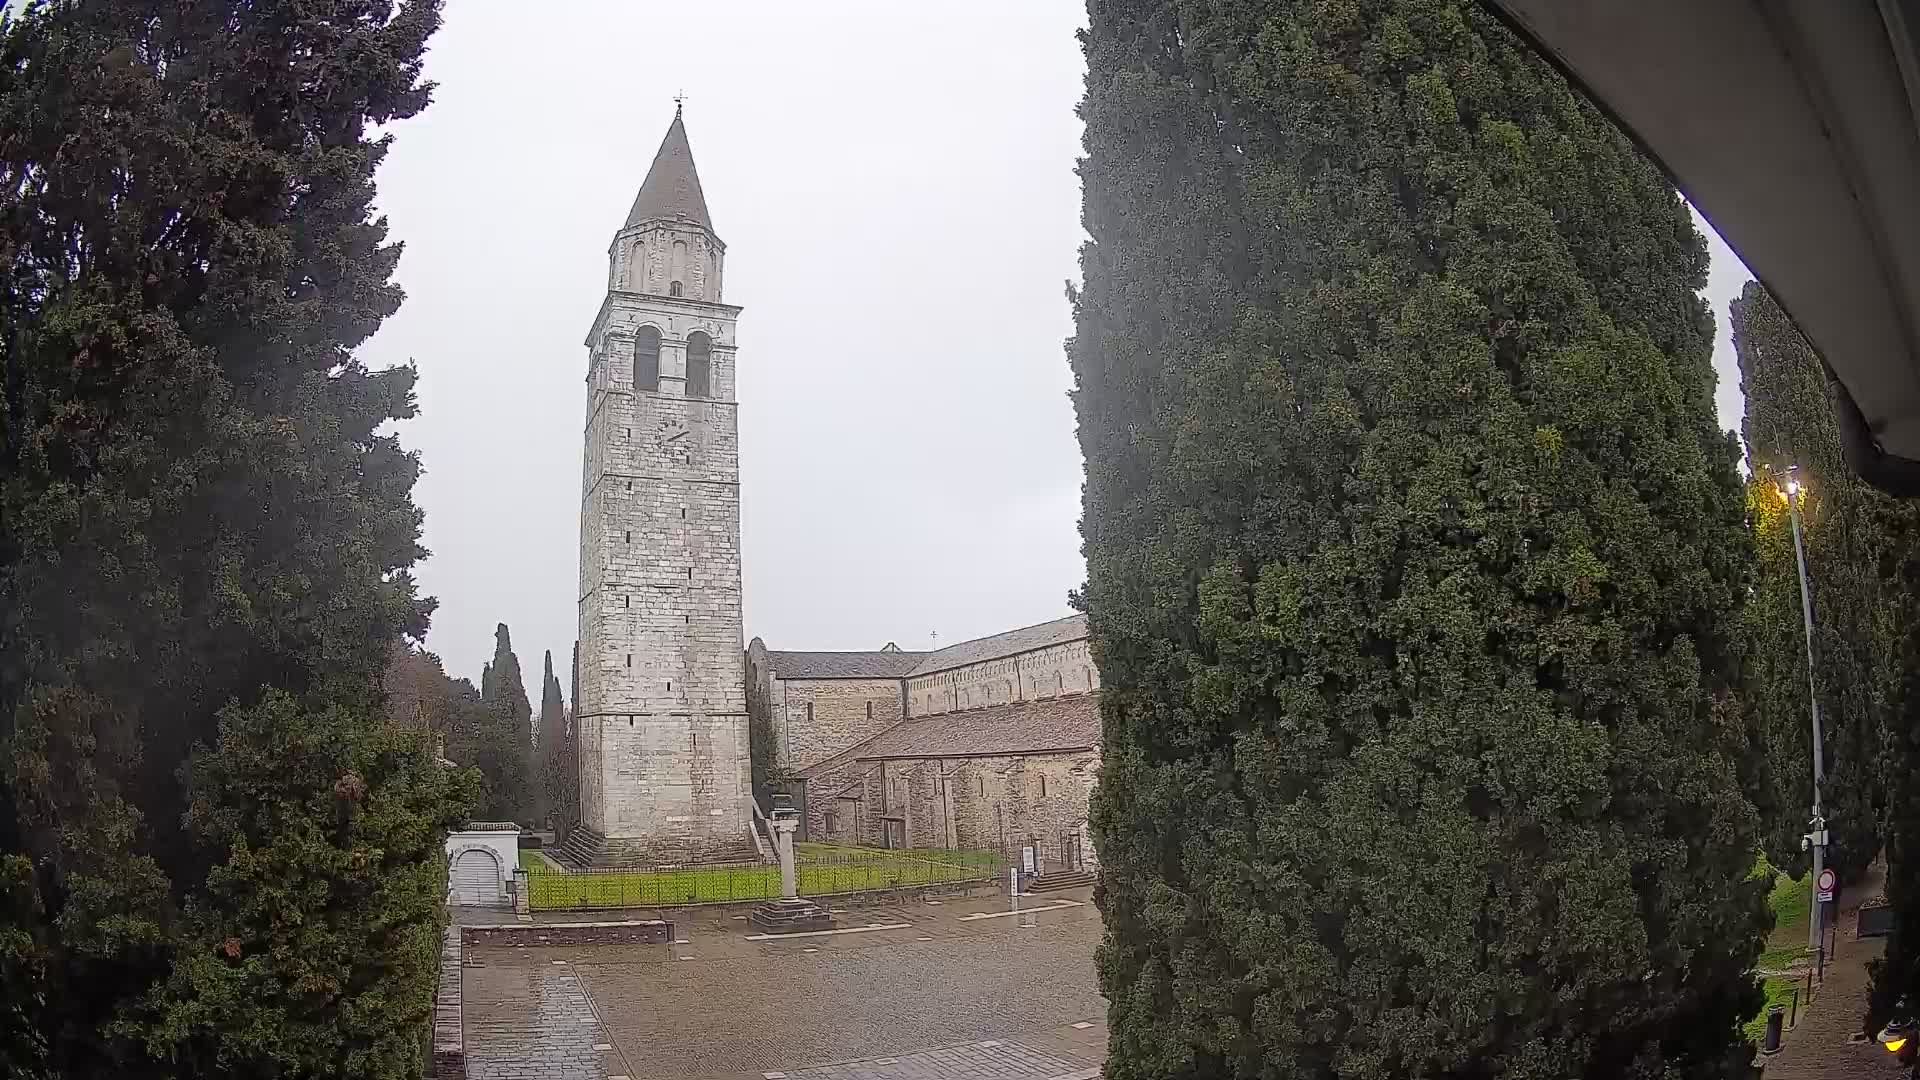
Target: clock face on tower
x,y
672,442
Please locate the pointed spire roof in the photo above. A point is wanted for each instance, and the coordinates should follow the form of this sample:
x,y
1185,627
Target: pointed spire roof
x,y
672,187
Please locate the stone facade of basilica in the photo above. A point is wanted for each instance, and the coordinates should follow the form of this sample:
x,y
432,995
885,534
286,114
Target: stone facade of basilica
x,y
991,744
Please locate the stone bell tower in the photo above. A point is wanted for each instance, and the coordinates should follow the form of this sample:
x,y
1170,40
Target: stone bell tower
x,y
662,715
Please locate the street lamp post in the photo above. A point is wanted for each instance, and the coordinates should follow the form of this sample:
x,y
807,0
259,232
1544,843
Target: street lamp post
x,y
1817,839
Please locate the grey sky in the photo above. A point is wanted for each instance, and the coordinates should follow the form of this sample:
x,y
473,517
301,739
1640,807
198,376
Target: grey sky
x,y
895,184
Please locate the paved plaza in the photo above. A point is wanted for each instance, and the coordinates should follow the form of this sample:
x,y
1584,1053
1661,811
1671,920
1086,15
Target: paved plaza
x,y
943,991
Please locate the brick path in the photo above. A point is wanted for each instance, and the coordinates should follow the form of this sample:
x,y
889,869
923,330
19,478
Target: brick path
x,y
1820,1046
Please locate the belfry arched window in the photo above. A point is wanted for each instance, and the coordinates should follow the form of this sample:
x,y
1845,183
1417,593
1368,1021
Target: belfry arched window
x,y
646,359
699,365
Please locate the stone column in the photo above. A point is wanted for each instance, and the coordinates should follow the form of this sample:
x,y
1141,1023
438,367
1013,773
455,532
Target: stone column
x,y
783,829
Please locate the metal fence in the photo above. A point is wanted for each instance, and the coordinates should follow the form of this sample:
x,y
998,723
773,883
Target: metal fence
x,y
820,871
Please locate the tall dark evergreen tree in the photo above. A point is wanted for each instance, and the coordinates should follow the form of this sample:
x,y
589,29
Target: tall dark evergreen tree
x,y
1897,974
549,744
1789,424
1414,557
570,751
202,515
503,749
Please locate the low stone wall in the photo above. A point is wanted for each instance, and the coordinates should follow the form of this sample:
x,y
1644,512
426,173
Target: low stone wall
x,y
629,932
449,1057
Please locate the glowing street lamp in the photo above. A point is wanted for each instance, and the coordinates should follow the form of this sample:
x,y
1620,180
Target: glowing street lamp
x,y
1898,1035
1816,840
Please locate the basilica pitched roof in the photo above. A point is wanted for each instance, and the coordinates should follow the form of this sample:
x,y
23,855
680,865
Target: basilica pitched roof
x,y
981,650
672,187
1063,724
874,664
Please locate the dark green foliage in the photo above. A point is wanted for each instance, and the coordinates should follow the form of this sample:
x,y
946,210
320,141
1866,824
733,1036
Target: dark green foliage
x,y
1414,562
1789,422
570,752
502,739
550,744
1897,974
762,765
23,972
325,813
201,508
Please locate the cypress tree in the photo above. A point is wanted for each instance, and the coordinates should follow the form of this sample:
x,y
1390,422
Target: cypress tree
x,y
1896,974
570,750
1414,562
504,749
549,744
1789,424
203,516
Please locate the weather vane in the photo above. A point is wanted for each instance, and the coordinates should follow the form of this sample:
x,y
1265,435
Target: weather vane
x,y
678,100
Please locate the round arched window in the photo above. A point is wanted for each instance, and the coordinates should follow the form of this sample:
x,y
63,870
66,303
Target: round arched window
x,y
699,365
646,359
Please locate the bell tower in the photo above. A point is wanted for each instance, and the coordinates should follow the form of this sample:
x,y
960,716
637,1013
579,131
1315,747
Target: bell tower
x,y
662,716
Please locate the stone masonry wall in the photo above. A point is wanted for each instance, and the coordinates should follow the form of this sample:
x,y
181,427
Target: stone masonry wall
x,y
644,259
988,803
830,818
664,745
1066,668
814,719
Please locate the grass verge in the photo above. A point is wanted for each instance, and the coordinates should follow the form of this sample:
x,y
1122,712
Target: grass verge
x,y
1786,945
1778,991
820,874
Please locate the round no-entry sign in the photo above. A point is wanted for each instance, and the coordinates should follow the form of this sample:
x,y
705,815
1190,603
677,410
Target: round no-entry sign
x,y
1825,885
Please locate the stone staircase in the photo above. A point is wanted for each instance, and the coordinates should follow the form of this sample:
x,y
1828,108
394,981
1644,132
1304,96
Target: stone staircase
x,y
1056,880
583,849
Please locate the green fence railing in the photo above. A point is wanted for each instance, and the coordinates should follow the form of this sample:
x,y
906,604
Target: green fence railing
x,y
819,873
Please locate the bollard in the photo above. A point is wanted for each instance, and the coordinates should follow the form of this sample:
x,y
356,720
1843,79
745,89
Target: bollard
x,y
1793,1013
1776,1017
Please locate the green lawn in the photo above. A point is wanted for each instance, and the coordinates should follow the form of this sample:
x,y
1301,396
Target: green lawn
x,y
1789,900
821,873
1778,991
1786,946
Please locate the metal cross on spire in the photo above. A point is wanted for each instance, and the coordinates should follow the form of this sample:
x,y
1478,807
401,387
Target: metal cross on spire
x,y
678,100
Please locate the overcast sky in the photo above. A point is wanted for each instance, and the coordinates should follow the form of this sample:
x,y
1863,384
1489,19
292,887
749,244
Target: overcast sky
x,y
895,185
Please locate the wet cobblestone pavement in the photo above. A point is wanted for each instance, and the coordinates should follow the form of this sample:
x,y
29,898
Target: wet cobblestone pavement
x,y
987,1060
540,1025
947,991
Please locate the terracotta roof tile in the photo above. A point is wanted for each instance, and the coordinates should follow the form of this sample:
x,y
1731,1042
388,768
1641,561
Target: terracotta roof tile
x,y
843,665
1048,725
1025,639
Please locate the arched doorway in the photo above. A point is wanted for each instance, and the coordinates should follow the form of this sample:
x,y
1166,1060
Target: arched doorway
x,y
476,877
